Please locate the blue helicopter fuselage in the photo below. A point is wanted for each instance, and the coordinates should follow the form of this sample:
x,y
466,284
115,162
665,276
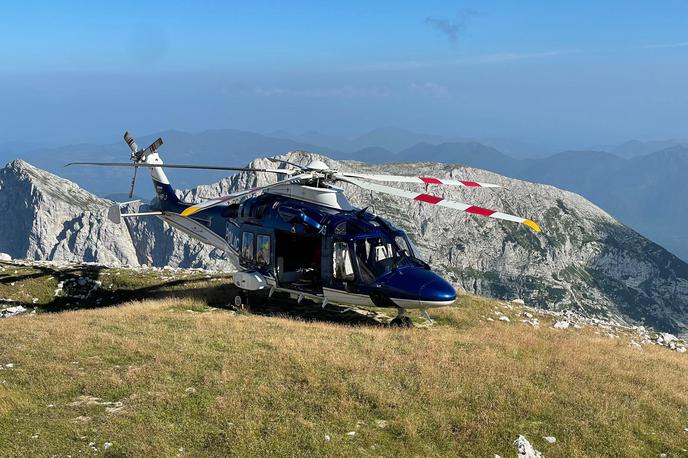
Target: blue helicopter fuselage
x,y
345,256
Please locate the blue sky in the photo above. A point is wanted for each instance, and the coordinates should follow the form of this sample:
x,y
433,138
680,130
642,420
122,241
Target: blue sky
x,y
558,74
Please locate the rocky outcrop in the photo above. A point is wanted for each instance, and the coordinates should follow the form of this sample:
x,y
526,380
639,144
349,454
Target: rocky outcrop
x,y
47,217
584,259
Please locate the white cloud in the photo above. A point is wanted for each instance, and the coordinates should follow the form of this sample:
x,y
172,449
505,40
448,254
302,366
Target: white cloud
x,y
429,88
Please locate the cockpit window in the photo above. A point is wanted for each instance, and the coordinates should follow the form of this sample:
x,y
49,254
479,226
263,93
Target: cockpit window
x,y
375,256
403,245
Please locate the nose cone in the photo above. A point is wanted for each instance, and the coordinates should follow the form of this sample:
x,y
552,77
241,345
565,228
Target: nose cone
x,y
418,288
437,292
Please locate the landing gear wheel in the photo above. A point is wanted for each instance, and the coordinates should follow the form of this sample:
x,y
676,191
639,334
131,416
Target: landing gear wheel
x,y
240,300
402,321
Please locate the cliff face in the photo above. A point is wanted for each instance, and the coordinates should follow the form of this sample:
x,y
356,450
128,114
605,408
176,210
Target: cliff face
x,y
48,217
583,260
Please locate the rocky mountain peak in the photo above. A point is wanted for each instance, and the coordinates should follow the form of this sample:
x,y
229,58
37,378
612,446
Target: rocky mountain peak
x,y
43,184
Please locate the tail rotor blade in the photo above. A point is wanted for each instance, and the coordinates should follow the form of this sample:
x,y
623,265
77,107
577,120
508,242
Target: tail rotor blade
x,y
133,182
130,141
153,147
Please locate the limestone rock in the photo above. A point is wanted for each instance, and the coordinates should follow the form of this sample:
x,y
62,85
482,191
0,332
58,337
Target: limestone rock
x,y
525,450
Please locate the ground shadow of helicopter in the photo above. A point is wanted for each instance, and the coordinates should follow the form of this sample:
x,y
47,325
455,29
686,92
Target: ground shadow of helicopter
x,y
214,295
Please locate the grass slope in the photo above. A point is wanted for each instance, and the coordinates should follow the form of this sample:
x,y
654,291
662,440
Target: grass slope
x,y
172,376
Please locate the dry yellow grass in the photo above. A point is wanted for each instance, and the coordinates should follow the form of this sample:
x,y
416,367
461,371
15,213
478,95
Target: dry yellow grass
x,y
198,382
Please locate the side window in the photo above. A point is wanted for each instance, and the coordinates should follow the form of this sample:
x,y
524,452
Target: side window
x,y
247,245
403,246
263,249
341,262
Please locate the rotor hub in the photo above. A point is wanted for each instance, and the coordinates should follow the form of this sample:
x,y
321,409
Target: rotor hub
x,y
317,165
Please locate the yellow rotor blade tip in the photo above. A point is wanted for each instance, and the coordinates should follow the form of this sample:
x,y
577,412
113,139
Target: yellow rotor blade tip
x,y
533,225
189,211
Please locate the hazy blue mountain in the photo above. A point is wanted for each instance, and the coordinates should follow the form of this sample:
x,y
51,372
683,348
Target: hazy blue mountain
x,y
477,154
516,148
395,140
212,147
11,150
469,153
373,155
636,148
389,138
313,137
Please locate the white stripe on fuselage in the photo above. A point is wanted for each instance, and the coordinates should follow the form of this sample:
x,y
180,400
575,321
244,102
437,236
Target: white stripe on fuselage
x,y
417,304
343,297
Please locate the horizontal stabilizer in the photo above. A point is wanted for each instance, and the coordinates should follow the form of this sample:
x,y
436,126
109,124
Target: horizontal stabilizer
x,y
115,215
132,215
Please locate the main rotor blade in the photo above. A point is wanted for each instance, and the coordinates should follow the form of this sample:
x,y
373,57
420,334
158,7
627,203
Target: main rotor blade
x,y
185,166
420,180
214,202
299,166
434,200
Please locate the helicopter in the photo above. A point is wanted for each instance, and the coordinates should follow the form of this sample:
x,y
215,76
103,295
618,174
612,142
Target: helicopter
x,y
301,237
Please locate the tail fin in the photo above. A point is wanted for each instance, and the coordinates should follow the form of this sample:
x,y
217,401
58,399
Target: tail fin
x,y
161,184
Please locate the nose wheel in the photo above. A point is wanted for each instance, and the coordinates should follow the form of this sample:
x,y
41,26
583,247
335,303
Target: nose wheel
x,y
240,300
402,320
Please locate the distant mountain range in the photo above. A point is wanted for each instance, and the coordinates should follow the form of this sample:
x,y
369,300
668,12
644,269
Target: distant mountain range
x,y
395,140
640,183
635,148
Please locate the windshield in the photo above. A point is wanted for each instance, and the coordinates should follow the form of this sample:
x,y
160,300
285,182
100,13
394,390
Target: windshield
x,y
377,256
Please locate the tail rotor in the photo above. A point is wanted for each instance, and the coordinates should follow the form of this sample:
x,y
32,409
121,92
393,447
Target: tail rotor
x,y
138,156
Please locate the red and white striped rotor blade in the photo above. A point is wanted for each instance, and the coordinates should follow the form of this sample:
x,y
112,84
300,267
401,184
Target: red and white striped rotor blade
x,y
220,200
434,200
420,180
130,141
